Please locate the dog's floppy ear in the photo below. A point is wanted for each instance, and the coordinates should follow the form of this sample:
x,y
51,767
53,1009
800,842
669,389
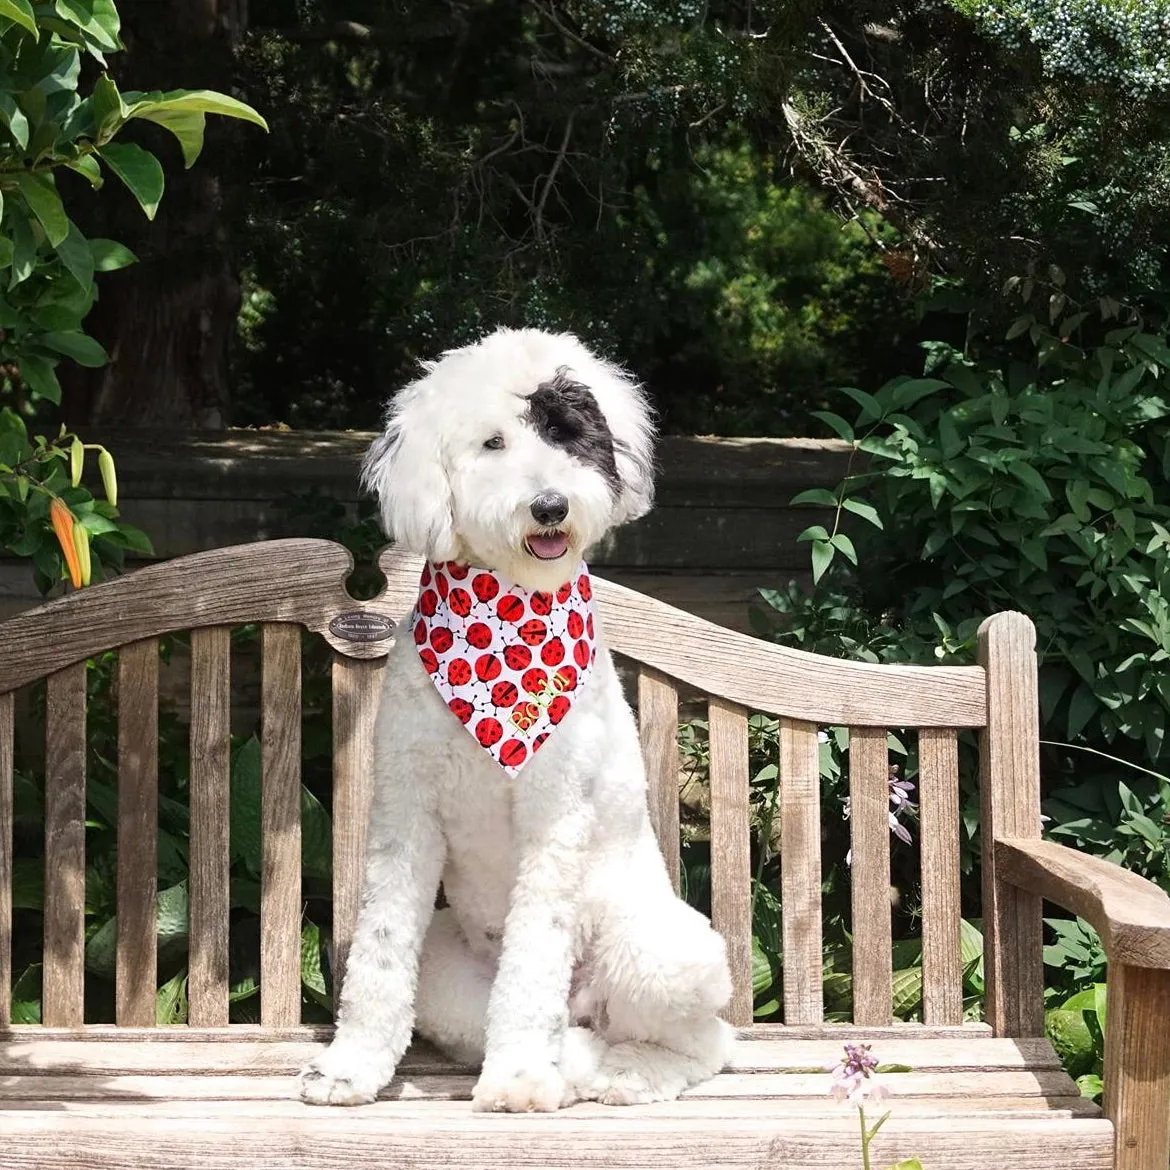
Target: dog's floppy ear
x,y
631,421
404,468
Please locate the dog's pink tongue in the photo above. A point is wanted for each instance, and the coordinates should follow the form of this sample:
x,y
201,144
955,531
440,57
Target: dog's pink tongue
x,y
549,547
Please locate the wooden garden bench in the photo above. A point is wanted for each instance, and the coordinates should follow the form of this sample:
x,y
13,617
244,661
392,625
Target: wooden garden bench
x,y
211,1094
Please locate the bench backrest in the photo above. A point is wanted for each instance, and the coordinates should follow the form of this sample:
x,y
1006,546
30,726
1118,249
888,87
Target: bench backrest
x,y
287,585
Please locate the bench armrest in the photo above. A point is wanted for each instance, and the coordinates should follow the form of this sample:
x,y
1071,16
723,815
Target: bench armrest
x,y
1131,914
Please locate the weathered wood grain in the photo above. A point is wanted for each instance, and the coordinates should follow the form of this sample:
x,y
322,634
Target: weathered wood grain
x,y
688,1111
272,581
755,674
1131,914
800,872
210,800
938,808
63,980
356,690
280,825
69,1056
135,977
329,1139
1137,1065
1009,750
6,823
814,1086
731,906
869,876
658,728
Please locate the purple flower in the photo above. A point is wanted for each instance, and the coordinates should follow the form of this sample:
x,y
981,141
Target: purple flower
x,y
853,1077
900,801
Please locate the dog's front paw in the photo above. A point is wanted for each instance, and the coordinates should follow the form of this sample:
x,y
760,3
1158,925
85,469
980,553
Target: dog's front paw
x,y
532,1088
342,1078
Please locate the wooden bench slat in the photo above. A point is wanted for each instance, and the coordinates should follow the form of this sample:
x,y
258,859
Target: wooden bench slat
x,y
827,1114
800,872
356,690
210,796
731,906
1009,791
63,986
658,729
6,857
938,808
259,1057
458,1087
333,1139
869,875
137,919
280,825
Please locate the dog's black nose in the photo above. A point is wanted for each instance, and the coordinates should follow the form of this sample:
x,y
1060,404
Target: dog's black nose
x,y
549,509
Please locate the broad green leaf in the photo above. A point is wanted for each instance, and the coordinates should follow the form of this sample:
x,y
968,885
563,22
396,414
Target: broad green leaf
x,y
862,509
186,125
139,170
201,101
1030,477
948,435
109,110
907,1164
312,975
102,949
13,117
836,423
26,996
87,165
74,253
316,836
822,558
171,1002
814,532
40,377
842,542
98,18
914,389
1091,1086
820,496
41,196
109,255
871,408
21,12
245,805
7,252
82,348
762,977
24,257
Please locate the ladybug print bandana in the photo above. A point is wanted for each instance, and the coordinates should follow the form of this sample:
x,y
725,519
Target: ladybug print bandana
x,y
509,662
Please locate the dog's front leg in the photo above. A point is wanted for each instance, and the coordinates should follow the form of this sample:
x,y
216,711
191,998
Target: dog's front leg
x,y
528,1008
404,861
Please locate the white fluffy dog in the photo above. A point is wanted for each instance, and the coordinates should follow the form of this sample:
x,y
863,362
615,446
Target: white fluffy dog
x,y
564,961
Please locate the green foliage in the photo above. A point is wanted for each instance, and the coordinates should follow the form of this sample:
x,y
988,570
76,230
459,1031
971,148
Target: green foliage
x,y
1040,484
48,267
33,472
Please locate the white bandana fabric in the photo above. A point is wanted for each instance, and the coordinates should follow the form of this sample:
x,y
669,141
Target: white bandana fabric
x,y
509,662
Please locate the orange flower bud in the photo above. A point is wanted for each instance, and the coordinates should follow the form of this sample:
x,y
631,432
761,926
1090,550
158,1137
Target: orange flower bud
x,y
63,524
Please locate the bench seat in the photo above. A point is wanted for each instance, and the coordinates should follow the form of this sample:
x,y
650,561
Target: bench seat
x,y
970,1101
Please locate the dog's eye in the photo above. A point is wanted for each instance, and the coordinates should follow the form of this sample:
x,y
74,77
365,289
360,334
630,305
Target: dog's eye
x,y
554,432
495,443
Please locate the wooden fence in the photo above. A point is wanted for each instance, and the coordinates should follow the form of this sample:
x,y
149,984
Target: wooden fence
x,y
722,526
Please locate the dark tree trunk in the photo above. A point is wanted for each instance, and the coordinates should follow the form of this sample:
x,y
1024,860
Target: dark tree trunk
x,y
169,320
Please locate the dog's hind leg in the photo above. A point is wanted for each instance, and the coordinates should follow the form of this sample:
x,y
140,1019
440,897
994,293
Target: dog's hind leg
x,y
661,972
453,989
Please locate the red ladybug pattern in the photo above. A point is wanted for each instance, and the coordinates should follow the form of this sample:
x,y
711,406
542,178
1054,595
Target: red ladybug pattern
x,y
509,662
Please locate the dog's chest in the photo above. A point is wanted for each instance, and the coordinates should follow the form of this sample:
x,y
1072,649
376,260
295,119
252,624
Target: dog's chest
x,y
476,816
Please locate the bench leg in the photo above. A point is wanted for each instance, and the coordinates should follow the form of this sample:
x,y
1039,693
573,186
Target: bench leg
x,y
1137,1066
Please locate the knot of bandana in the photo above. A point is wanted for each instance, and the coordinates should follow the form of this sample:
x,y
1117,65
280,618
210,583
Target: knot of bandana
x,y
509,662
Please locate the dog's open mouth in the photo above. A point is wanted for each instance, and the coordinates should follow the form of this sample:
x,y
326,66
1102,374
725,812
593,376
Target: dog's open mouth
x,y
547,546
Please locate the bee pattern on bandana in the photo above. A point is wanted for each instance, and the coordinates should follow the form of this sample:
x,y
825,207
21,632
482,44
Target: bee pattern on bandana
x,y
508,662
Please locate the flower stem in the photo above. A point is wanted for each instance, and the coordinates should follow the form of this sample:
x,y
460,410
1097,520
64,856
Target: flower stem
x,y
865,1139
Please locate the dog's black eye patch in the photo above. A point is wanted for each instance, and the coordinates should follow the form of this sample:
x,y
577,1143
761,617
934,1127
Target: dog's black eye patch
x,y
565,414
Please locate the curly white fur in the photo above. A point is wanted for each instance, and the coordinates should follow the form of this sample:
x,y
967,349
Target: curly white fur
x,y
564,962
